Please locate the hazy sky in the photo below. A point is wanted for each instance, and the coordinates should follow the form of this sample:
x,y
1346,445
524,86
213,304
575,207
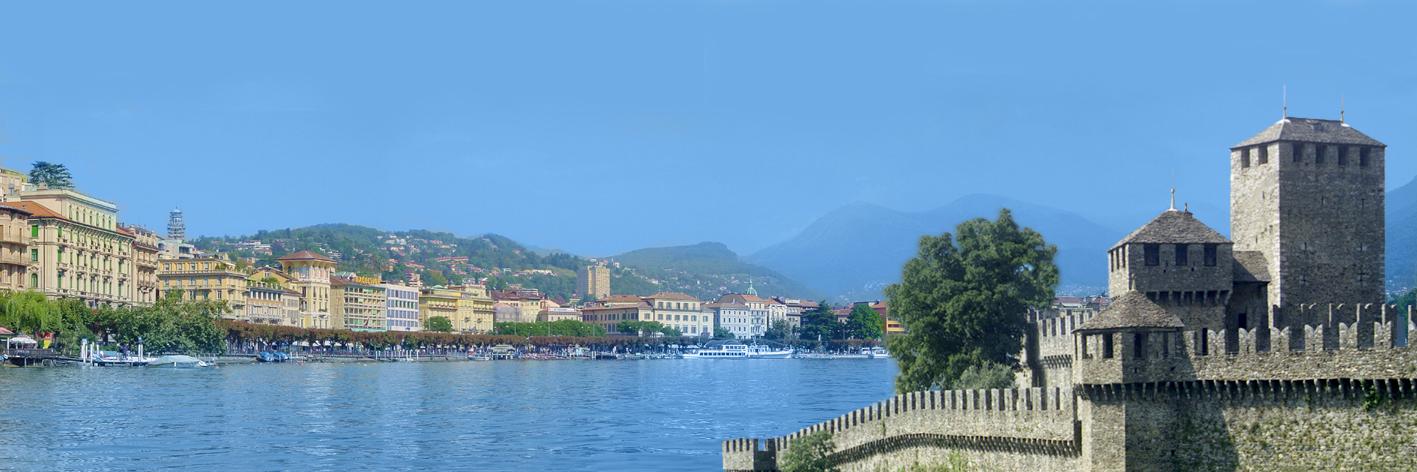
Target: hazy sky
x,y
603,126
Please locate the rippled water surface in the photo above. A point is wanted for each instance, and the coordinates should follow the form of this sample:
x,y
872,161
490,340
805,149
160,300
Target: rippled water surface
x,y
504,415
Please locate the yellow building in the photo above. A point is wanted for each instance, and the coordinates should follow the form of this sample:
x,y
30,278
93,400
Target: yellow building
x,y
474,309
527,301
609,317
310,275
682,312
358,304
435,302
145,264
76,250
14,248
205,279
265,303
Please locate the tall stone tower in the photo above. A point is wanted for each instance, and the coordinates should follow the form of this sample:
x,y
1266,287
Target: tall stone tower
x,y
1308,195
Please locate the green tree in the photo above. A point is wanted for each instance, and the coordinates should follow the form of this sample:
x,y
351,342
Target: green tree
x,y
629,327
964,302
722,333
671,332
984,376
51,175
29,312
819,323
780,329
434,277
810,453
864,323
440,324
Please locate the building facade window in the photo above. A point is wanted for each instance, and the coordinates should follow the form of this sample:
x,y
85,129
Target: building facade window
x,y
1183,256
1152,254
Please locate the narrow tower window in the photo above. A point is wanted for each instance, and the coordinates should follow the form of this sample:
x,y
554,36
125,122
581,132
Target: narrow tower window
x,y
1297,150
1210,255
1342,156
1264,155
1319,154
1152,254
1183,256
1363,156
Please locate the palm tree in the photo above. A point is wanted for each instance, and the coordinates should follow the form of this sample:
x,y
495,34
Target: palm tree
x,y
51,175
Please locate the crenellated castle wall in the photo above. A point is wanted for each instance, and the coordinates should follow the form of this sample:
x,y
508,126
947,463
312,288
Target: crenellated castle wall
x,y
1336,386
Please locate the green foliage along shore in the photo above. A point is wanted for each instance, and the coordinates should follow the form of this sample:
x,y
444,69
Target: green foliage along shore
x,y
170,325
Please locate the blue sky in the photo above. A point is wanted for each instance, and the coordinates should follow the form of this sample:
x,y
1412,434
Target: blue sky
x,y
604,126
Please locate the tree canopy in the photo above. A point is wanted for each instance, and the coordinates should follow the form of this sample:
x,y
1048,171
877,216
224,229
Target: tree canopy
x,y
964,300
51,175
440,324
864,323
818,323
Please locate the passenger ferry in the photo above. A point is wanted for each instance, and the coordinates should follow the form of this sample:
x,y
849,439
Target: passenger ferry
x,y
739,351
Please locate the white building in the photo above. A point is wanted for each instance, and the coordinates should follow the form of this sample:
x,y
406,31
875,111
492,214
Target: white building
x,y
734,317
402,308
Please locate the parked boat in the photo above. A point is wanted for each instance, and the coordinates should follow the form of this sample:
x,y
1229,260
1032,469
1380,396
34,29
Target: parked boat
x,y
272,356
875,352
178,361
739,351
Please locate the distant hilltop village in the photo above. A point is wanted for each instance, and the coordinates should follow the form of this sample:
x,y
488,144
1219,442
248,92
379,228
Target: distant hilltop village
x,y
64,243
1271,350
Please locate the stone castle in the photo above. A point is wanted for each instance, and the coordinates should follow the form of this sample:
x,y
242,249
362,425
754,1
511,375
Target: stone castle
x,y
1270,350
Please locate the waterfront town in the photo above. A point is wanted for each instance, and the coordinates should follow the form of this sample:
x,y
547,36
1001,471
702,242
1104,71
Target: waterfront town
x,y
66,244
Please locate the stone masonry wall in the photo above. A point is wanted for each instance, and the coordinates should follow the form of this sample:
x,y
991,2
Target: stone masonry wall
x,y
1228,426
1028,426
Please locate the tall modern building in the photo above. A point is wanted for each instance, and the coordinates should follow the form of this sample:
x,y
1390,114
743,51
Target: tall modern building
x,y
176,226
401,308
358,303
593,281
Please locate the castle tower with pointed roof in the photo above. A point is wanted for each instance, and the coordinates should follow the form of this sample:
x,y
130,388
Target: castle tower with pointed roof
x,y
1306,196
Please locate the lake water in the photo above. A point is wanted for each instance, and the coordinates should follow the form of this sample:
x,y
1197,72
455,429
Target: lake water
x,y
501,415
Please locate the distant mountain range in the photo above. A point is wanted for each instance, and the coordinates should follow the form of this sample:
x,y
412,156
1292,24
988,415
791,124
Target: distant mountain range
x,y
704,270
851,253
710,268
855,251
1401,262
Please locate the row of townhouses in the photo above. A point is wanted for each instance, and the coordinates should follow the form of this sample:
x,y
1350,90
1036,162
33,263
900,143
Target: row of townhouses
x,y
67,244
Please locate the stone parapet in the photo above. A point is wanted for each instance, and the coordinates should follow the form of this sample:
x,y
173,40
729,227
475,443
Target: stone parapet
x,y
1032,419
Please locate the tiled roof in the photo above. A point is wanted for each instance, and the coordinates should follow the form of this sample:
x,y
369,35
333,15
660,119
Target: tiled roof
x,y
33,209
1132,310
1310,130
673,296
305,256
1173,226
640,304
1251,266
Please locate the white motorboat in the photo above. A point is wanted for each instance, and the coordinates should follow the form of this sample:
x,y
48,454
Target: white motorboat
x,y
178,361
739,351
